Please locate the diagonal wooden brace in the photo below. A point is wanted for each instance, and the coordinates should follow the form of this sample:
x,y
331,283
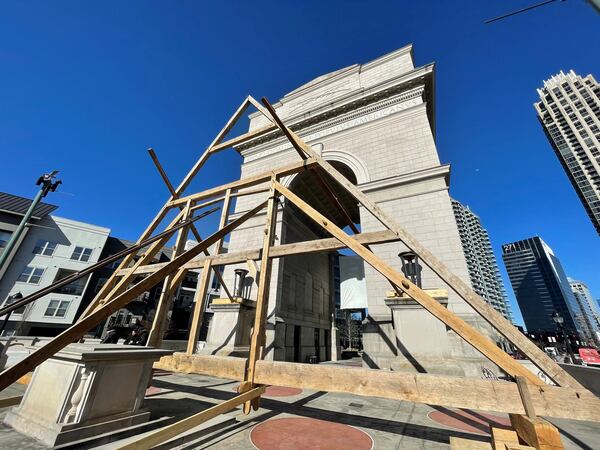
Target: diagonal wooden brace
x,y
459,326
77,330
487,312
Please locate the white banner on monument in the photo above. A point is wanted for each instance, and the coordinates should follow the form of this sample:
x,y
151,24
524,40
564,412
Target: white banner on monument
x,y
353,289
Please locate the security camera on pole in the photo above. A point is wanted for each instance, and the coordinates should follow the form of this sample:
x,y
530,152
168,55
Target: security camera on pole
x,y
46,184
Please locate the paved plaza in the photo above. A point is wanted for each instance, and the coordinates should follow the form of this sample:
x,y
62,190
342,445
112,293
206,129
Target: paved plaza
x,y
300,419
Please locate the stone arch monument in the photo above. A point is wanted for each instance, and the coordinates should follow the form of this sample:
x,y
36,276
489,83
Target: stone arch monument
x,y
376,121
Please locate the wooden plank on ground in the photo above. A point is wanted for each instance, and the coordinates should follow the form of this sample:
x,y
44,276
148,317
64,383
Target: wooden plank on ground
x,y
170,431
217,366
539,433
503,436
453,392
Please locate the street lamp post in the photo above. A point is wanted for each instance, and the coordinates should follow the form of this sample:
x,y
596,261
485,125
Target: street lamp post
x,y
46,185
559,320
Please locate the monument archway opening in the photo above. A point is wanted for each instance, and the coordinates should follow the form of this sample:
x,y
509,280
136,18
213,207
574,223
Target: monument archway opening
x,y
310,295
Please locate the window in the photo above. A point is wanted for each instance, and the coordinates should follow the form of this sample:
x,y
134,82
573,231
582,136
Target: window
x,y
45,248
117,263
10,300
74,288
31,275
100,284
4,237
81,254
57,308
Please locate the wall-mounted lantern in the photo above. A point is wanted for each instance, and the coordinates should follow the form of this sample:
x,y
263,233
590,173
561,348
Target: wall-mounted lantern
x,y
240,277
411,267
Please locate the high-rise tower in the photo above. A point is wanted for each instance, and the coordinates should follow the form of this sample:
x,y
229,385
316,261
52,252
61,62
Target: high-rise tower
x,y
540,285
481,261
569,111
590,313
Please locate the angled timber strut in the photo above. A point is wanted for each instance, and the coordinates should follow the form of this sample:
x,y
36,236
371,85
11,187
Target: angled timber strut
x,y
135,276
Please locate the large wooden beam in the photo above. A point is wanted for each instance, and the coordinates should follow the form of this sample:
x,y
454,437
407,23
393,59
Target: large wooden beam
x,y
214,365
480,342
494,318
449,391
252,180
107,293
258,339
537,432
278,251
77,330
200,299
171,282
170,431
243,138
191,208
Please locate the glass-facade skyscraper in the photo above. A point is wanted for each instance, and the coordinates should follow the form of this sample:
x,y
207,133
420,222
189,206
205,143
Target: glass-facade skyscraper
x,y
569,111
540,285
590,313
481,261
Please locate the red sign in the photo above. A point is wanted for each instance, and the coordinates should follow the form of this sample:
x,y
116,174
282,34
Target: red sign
x,y
589,355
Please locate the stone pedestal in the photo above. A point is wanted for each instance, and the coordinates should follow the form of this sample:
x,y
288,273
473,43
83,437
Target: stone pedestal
x,y
230,328
85,390
421,339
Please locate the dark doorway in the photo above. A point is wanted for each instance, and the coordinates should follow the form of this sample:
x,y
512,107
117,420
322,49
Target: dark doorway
x,y
318,344
297,331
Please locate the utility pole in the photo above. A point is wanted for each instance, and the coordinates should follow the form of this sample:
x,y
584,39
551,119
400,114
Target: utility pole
x,y
46,185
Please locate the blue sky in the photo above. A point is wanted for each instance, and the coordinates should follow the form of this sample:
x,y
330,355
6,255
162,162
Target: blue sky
x,y
86,88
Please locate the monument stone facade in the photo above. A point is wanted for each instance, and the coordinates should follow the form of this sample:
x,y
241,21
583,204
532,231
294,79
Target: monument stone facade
x,y
376,123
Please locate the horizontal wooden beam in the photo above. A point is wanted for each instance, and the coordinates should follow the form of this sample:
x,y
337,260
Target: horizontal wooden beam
x,y
278,251
244,182
170,431
449,391
243,138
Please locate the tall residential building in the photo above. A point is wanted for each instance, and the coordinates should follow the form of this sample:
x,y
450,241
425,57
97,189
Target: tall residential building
x,y
52,248
540,285
569,111
590,313
481,261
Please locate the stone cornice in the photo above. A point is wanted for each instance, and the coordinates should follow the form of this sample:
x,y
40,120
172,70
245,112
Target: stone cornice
x,y
421,75
406,178
404,101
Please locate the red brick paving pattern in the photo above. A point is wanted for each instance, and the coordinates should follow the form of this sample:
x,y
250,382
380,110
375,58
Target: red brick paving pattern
x,y
297,433
466,420
153,390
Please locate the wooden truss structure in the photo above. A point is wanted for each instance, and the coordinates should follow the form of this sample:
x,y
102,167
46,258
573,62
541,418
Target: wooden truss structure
x,y
530,396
